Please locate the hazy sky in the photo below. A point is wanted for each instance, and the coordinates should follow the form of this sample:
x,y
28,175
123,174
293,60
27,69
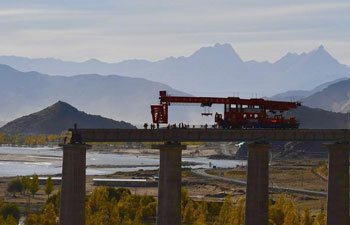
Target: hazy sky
x,y
113,30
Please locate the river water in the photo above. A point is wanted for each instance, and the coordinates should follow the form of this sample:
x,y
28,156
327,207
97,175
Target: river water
x,y
49,161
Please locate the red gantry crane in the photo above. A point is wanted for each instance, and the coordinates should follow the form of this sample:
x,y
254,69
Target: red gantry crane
x,y
238,112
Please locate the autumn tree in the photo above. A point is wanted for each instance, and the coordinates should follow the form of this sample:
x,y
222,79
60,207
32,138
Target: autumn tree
x,y
200,220
32,219
117,193
292,218
26,184
53,139
321,218
29,140
226,217
55,200
138,217
2,139
40,139
48,215
214,209
188,216
49,186
201,213
10,220
1,218
306,218
98,208
34,185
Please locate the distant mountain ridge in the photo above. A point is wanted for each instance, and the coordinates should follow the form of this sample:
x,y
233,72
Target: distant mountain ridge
x,y
57,118
335,97
297,95
216,69
116,97
121,98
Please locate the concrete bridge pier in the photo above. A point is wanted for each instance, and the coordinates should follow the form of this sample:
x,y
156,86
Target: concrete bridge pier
x,y
257,192
338,184
169,185
72,202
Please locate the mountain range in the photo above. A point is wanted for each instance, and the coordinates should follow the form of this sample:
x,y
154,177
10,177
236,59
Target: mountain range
x,y
113,96
128,98
216,69
118,97
58,118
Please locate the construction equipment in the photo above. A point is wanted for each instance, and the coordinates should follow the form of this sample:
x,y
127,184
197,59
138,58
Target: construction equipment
x,y
238,112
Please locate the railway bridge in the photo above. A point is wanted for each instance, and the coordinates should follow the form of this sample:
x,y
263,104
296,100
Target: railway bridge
x,y
72,205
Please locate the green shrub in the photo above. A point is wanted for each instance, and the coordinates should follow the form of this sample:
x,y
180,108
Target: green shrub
x,y
15,186
10,209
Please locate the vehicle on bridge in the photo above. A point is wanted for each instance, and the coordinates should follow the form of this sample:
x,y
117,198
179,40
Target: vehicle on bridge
x,y
238,113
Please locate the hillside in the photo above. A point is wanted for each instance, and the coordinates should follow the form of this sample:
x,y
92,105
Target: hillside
x,y
113,96
57,118
318,118
335,97
297,95
214,70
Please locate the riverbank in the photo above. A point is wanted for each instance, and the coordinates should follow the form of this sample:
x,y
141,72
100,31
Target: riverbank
x,y
20,161
136,163
287,173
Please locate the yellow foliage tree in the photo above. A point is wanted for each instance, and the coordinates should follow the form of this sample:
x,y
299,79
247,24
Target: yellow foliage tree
x,y
29,140
10,220
98,207
291,218
201,212
188,216
200,220
306,218
238,212
40,140
2,139
321,218
49,186
32,219
226,216
48,216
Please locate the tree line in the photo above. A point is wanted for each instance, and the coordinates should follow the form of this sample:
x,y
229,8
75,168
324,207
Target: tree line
x,y
10,212
117,206
32,140
26,185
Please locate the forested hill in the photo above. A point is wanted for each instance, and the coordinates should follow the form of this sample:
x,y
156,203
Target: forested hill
x,y
57,118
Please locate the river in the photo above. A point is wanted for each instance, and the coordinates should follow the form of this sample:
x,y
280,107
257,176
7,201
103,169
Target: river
x,y
21,161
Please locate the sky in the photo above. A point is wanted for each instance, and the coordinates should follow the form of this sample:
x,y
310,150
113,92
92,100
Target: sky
x,y
115,30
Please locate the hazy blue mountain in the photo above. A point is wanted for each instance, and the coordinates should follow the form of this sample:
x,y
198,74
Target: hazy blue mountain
x,y
297,95
335,97
57,118
124,98
116,97
218,70
317,66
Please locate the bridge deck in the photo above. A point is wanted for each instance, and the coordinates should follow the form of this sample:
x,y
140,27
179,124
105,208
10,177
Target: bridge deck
x,y
211,135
